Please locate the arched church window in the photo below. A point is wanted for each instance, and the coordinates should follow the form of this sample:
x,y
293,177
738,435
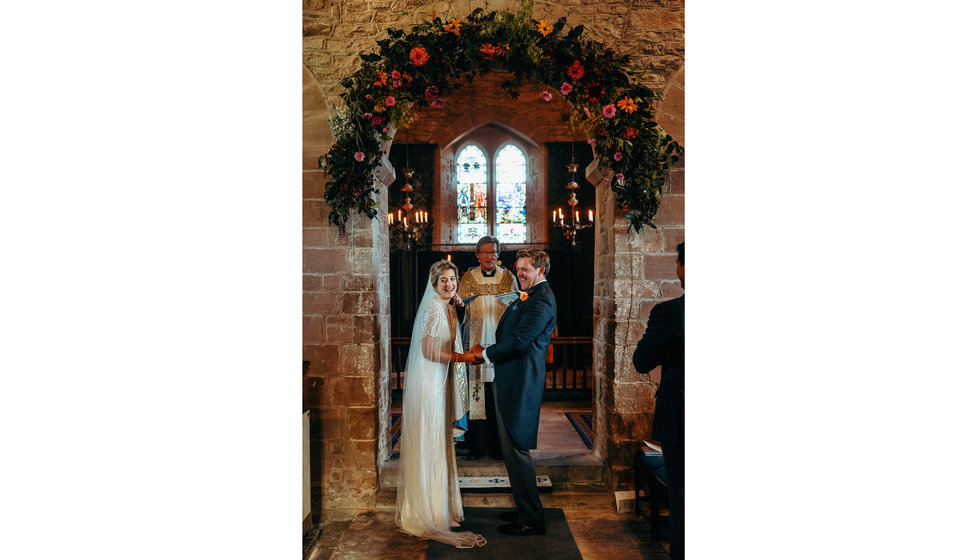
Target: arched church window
x,y
471,194
505,184
511,195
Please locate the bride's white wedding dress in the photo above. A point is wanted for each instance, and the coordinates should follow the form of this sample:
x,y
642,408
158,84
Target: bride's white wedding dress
x,y
429,503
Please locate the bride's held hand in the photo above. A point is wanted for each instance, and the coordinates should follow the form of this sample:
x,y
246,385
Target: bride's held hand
x,y
468,357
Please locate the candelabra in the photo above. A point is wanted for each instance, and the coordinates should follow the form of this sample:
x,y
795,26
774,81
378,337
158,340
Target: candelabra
x,y
406,230
574,222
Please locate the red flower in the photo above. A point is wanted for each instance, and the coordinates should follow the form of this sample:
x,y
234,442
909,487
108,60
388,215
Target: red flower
x,y
595,93
419,56
630,133
576,70
524,296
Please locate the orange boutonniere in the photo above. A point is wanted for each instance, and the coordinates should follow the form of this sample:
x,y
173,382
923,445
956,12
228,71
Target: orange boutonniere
x,y
524,296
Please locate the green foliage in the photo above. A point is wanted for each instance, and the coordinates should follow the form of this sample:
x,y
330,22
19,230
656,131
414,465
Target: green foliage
x,y
427,63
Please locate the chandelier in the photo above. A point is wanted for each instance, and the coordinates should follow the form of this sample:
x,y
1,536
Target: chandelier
x,y
406,228
570,229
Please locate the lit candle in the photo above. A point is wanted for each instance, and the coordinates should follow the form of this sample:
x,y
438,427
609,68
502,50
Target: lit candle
x,y
399,215
426,217
576,216
389,218
554,217
449,257
590,216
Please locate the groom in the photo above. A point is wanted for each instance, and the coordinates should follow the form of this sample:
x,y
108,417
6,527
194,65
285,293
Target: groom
x,y
523,335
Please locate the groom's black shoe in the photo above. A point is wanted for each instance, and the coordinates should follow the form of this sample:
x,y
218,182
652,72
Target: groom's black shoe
x,y
508,516
520,529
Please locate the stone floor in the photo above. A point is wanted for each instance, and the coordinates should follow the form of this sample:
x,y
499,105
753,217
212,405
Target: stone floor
x,y
589,506
600,533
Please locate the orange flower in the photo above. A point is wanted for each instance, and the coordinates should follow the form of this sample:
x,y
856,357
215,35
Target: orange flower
x,y
419,56
382,79
626,104
544,28
453,27
489,50
524,296
576,70
630,133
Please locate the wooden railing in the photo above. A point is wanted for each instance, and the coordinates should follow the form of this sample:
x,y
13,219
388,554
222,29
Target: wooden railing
x,y
568,369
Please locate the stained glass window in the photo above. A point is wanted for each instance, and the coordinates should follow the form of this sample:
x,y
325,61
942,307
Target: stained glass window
x,y
471,195
511,195
507,217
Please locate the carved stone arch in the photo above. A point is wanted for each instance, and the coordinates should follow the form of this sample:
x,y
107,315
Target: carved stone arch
x,y
670,110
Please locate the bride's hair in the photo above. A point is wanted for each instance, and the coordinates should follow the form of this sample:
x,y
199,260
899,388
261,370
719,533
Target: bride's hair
x,y
438,268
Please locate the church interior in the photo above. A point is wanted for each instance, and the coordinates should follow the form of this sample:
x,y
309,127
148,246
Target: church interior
x,y
362,280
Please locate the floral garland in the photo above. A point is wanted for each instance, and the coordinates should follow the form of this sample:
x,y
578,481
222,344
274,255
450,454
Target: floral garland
x,y
426,64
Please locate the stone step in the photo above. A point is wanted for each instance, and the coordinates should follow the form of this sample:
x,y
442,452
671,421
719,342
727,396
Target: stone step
x,y
562,470
576,479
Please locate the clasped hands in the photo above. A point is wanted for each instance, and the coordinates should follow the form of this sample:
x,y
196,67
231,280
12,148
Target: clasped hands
x,y
473,356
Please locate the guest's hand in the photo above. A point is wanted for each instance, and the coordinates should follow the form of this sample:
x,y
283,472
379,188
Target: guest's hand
x,y
457,301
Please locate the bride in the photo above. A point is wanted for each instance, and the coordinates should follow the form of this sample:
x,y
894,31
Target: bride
x,y
429,503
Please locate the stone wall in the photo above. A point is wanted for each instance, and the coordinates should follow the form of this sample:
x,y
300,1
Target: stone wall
x,y
634,272
345,276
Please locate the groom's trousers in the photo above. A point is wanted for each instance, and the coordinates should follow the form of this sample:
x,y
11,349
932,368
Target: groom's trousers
x,y
520,470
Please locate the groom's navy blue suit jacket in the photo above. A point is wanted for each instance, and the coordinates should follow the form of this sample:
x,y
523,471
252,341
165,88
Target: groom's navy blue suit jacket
x,y
523,336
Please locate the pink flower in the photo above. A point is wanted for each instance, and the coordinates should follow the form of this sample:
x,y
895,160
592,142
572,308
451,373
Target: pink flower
x,y
588,115
431,91
566,88
369,96
618,156
546,95
619,176
439,103
591,142
609,111
376,121
366,116
390,101
396,74
396,83
385,130
359,156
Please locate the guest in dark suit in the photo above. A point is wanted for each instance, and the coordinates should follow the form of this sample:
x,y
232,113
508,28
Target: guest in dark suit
x,y
663,345
518,359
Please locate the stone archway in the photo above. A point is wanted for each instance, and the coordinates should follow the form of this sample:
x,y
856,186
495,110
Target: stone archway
x,y
345,322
